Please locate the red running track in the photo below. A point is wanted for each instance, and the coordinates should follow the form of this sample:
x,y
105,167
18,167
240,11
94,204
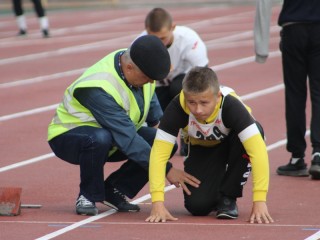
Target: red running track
x,y
36,71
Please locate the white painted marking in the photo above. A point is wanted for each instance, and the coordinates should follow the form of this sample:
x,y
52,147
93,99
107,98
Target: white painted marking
x,y
27,162
27,113
41,78
315,236
94,218
216,68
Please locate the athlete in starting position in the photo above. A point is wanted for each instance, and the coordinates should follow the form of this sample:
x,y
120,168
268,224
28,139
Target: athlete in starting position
x,y
224,143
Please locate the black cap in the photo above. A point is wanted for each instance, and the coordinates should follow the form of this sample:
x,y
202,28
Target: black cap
x,y
151,56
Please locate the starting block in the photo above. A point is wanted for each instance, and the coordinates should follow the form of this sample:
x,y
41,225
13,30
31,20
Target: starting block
x,y
10,201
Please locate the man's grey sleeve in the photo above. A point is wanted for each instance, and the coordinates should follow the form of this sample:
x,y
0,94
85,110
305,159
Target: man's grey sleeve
x,y
262,30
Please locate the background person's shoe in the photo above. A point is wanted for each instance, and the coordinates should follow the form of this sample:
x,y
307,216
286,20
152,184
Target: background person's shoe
x,y
118,201
315,166
295,169
22,33
227,208
85,206
45,33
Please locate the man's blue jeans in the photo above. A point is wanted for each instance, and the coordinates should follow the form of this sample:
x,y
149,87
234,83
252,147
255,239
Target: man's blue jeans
x,y
88,147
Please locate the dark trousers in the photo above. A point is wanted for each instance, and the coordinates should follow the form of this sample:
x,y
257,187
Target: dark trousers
x,y
223,171
38,8
300,46
88,147
166,93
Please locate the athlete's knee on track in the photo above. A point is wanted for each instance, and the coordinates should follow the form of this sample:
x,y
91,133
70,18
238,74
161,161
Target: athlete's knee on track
x,y
199,207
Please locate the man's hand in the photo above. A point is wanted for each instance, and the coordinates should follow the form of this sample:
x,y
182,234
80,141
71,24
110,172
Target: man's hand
x,y
159,213
260,213
179,178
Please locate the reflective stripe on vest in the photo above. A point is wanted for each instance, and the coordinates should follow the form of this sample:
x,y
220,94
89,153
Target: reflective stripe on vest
x,y
83,117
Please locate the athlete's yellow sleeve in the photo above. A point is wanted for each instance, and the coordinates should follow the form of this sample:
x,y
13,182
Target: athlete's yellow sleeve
x,y
257,151
159,156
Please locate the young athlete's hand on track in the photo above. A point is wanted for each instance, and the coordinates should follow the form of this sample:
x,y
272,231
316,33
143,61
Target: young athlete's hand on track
x,y
159,213
260,213
179,178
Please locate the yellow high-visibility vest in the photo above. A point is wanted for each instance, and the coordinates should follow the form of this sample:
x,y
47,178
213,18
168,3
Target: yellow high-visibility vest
x,y
71,114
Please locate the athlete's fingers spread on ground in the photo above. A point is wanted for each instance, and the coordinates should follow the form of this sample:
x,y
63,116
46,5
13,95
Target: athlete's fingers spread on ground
x,y
260,213
149,219
258,219
252,220
261,218
255,218
267,218
155,219
162,219
270,219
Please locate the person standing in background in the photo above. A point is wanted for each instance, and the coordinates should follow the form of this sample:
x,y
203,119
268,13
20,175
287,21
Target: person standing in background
x,y
261,30
186,50
21,20
300,47
185,47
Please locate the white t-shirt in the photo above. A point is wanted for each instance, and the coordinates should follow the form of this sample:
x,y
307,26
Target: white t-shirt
x,y
186,51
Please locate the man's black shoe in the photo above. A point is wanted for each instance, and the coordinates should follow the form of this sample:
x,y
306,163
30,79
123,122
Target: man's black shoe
x,y
295,169
227,208
315,166
118,201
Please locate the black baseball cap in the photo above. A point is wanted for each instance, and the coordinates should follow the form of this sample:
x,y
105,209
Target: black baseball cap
x,y
151,56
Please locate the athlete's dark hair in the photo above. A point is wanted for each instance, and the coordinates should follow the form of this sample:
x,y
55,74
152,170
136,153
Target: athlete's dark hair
x,y
158,18
199,79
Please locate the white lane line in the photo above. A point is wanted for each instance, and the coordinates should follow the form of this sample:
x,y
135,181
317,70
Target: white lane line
x,y
242,61
282,142
249,96
106,43
76,225
315,236
263,92
28,112
50,155
67,50
110,43
42,78
122,20
27,162
79,71
69,73
82,28
94,218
